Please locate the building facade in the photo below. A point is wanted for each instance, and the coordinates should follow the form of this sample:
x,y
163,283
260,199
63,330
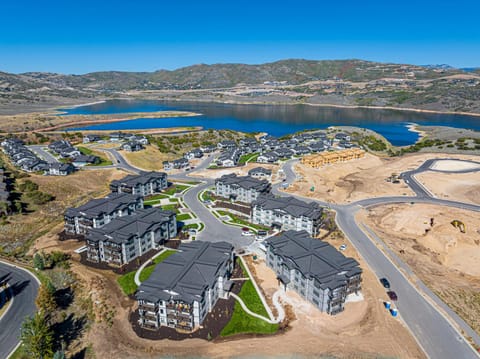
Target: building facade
x,y
98,212
185,287
126,238
244,189
144,184
314,269
287,213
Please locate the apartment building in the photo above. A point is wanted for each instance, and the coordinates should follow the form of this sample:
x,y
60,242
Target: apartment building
x,y
287,213
126,238
144,184
98,212
185,287
241,188
314,269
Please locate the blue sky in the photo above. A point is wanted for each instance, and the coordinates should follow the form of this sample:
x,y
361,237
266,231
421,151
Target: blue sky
x,y
139,35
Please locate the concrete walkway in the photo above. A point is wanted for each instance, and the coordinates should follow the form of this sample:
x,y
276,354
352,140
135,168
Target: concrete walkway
x,y
148,262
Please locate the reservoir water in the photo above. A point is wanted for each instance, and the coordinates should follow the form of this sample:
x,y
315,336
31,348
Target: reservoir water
x,y
277,120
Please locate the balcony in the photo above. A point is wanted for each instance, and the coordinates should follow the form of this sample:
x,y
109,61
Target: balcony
x,y
148,307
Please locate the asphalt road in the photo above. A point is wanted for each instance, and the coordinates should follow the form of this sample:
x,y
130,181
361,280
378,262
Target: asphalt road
x,y
43,154
433,331
25,288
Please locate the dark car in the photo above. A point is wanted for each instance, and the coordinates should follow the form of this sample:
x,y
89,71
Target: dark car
x,y
385,282
392,295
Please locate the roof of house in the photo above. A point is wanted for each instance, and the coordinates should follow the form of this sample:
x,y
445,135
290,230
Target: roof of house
x,y
290,205
186,275
245,182
261,170
143,178
85,158
315,259
121,229
108,204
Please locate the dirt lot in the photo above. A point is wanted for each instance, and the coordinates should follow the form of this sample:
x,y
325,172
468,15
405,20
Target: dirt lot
x,y
443,257
359,179
149,159
463,187
240,171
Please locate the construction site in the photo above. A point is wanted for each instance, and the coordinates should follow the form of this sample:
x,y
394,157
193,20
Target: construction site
x,y
326,158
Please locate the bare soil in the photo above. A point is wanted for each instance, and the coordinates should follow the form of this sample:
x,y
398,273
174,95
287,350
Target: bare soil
x,y
443,257
359,179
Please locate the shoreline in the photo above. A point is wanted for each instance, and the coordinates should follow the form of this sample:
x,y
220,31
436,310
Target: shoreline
x,y
413,127
147,115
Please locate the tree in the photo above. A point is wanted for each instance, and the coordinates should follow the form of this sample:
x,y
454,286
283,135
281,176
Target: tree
x,y
45,299
37,337
38,262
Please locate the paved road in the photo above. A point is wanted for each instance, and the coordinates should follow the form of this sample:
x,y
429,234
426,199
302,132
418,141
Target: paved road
x,y
121,163
25,288
433,331
40,151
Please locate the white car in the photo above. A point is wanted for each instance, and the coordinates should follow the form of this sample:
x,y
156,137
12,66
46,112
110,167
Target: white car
x,y
343,247
247,233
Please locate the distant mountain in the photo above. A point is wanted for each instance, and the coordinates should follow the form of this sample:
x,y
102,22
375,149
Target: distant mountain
x,y
471,69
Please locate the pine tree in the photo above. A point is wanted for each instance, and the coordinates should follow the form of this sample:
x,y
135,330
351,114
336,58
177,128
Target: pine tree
x,y
45,299
38,262
37,337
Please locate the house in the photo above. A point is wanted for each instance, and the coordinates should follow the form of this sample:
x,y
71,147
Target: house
x,y
144,184
116,136
301,150
283,153
60,169
208,149
314,269
84,160
241,188
272,145
137,138
268,157
34,165
185,287
247,142
341,137
287,213
228,158
98,212
226,145
260,173
325,158
91,138
126,238
132,146
195,153
267,138
175,164
70,152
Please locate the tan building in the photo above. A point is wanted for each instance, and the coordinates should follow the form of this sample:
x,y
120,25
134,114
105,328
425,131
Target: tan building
x,y
325,158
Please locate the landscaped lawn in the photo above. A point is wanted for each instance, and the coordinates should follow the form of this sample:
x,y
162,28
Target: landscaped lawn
x,y
170,207
157,196
242,222
183,216
127,281
147,271
242,322
176,188
87,151
249,157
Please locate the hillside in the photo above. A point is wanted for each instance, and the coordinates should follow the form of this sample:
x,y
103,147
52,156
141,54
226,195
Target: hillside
x,y
304,77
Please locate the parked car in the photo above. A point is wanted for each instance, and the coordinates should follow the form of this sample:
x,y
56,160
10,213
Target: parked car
x,y
392,295
245,229
249,233
385,282
343,247
262,233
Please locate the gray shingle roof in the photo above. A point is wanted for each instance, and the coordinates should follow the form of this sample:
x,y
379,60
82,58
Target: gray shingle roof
x,y
143,178
290,205
315,259
121,229
188,273
245,182
261,170
109,204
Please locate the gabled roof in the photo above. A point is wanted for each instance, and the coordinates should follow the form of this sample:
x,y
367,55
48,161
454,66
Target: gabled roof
x,y
188,273
290,205
109,204
143,178
245,182
314,258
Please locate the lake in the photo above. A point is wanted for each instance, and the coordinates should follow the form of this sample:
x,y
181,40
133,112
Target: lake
x,y
277,120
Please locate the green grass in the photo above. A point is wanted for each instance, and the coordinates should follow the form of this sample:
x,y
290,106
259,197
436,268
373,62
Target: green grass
x,y
147,271
183,216
84,150
157,196
249,157
87,152
127,281
19,353
170,207
239,221
177,188
241,322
